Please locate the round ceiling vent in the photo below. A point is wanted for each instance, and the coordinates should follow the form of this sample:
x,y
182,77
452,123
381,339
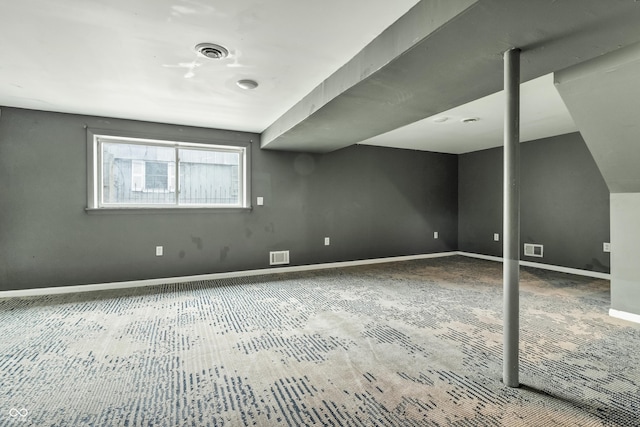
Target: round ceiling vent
x,y
247,84
212,51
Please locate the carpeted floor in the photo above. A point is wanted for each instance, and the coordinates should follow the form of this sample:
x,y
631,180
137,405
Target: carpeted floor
x,y
402,344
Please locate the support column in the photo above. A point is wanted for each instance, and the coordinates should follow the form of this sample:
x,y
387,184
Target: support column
x,y
511,226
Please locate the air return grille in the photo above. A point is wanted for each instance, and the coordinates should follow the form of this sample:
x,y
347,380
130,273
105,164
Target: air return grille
x,y
278,257
212,51
533,250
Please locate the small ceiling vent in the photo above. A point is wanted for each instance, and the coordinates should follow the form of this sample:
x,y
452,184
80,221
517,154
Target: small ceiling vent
x,y
212,51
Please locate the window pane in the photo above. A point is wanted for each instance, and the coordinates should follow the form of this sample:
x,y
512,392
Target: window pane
x,y
209,177
135,174
156,175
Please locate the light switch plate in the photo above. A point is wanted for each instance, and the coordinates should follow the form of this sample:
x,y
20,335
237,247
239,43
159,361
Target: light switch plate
x,y
260,201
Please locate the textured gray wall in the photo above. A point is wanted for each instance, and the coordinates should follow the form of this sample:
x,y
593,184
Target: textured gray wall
x,y
371,202
564,203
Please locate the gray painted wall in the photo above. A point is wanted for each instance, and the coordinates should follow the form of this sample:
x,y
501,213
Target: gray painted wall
x,y
371,202
625,234
564,203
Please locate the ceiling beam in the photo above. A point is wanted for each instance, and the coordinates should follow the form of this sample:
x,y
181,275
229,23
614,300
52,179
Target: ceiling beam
x,y
424,19
442,54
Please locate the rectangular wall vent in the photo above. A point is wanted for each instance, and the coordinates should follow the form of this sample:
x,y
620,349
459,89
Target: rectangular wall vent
x,y
278,257
533,250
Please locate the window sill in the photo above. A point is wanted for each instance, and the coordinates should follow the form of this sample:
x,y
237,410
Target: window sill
x,y
164,210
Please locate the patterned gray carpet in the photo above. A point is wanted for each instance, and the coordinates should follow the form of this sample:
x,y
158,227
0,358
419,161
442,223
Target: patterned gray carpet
x,y
403,344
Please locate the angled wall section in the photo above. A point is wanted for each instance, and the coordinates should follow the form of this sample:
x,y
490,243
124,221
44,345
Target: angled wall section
x,y
603,97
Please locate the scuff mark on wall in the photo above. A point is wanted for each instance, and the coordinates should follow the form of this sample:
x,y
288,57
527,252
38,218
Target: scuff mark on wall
x,y
224,252
197,241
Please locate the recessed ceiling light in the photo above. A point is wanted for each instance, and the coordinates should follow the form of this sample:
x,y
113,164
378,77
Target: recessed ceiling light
x,y
212,51
247,84
440,119
470,120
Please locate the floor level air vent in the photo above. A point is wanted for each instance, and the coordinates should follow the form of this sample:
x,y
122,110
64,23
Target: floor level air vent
x,y
533,250
278,257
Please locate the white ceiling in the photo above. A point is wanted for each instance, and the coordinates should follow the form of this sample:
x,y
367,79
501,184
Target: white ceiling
x,y
542,114
135,59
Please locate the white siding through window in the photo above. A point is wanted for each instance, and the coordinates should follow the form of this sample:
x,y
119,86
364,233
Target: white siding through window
x,y
137,175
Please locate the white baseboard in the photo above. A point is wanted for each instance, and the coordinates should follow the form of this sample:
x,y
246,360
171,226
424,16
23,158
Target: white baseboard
x,y
631,317
276,270
480,256
575,271
212,276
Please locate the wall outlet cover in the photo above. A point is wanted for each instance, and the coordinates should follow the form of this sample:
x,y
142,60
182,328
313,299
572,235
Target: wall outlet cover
x,y
496,237
327,241
435,234
606,247
159,250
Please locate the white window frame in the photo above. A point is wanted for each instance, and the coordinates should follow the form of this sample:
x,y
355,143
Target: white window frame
x,y
95,178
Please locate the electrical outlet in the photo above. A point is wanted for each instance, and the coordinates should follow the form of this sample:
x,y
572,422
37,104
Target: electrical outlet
x,y
260,201
435,234
327,241
606,247
496,237
159,250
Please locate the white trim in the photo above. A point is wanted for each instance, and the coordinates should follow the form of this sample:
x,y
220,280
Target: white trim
x,y
576,271
213,276
631,317
557,268
480,256
232,274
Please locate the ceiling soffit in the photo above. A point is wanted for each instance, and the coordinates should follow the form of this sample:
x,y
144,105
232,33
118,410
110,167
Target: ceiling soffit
x,y
458,60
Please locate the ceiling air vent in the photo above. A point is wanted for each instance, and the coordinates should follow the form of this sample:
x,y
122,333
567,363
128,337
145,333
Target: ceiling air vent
x,y
212,51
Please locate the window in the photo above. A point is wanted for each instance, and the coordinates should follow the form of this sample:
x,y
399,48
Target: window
x,y
146,173
156,175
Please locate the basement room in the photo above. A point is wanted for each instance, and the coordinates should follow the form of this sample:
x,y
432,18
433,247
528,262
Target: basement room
x,y
364,213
